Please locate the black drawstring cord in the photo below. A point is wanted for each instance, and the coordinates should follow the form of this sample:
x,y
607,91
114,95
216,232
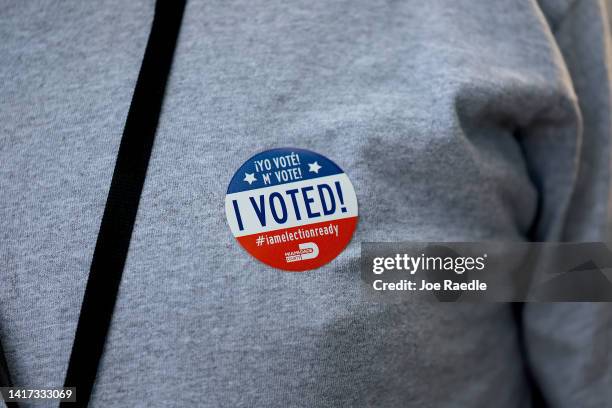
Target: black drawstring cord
x,y
5,376
122,203
121,207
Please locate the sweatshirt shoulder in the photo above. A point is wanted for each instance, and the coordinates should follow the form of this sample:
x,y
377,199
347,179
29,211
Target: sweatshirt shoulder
x,y
555,10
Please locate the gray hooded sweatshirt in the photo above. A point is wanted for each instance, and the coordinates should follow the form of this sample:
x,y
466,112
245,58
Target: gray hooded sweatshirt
x,y
456,120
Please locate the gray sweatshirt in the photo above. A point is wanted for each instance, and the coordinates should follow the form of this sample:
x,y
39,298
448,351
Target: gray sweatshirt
x,y
456,120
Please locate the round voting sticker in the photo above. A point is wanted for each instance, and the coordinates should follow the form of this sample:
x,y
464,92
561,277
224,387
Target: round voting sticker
x,y
292,209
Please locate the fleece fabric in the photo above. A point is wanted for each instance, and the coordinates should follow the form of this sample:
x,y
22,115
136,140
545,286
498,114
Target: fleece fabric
x,y
456,120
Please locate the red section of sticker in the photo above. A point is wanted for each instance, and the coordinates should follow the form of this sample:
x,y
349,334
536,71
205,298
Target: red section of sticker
x,y
301,248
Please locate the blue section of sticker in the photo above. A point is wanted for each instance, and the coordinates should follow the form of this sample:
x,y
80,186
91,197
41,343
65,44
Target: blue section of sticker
x,y
281,166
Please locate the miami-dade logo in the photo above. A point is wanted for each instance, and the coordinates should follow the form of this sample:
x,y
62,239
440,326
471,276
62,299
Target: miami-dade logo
x,y
307,250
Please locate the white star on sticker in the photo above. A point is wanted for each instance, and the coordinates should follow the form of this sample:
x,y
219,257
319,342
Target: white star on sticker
x,y
314,167
249,178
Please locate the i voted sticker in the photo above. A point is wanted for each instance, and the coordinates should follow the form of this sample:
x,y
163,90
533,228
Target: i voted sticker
x,y
292,209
